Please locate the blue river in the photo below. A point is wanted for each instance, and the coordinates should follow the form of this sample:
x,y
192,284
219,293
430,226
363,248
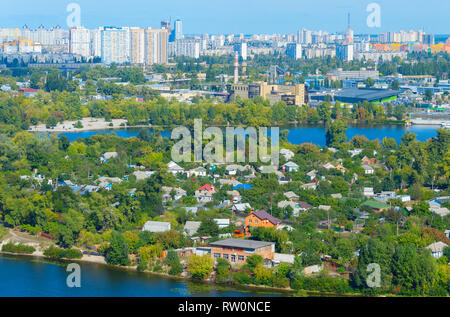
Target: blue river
x,y
31,277
299,135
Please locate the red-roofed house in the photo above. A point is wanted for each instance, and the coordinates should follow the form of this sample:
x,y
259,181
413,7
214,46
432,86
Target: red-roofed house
x,y
28,91
205,193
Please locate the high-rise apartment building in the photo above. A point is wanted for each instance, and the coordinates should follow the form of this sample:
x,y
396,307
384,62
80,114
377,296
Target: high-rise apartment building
x,y
115,45
304,37
80,41
241,49
156,46
294,50
137,46
185,47
345,52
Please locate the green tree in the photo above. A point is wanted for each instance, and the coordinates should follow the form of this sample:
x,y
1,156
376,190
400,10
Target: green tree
x,y
117,253
335,133
200,266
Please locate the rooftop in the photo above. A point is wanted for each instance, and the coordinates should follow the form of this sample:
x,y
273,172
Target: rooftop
x,y
242,244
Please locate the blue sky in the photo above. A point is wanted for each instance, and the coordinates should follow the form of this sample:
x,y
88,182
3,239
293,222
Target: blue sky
x,y
234,16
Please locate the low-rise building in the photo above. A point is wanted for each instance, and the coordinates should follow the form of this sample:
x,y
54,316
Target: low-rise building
x,y
156,226
236,251
437,249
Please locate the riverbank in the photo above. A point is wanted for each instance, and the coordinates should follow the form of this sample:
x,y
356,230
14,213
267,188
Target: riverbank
x,y
285,292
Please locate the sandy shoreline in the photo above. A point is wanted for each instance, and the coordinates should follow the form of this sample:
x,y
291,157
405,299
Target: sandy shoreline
x,y
89,124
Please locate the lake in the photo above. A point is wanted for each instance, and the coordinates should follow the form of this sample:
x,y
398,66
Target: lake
x,y
33,277
299,135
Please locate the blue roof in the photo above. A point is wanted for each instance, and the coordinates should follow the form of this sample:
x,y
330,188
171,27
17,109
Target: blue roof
x,y
244,186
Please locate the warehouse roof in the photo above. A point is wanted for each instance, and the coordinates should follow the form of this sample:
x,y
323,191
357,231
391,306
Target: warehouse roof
x,y
353,95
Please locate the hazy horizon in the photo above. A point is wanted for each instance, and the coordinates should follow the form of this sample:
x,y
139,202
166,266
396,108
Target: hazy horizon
x,y
233,16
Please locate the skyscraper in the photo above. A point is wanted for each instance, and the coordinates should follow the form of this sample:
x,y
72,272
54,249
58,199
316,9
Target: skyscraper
x,y
177,32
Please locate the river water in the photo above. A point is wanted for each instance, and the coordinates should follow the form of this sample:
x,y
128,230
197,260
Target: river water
x,y
299,135
32,277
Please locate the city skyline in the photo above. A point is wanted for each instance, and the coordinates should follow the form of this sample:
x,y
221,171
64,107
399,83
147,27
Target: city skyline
x,y
235,17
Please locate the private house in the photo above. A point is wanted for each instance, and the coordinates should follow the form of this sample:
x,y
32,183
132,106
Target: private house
x,y
404,198
368,170
261,219
291,196
156,226
28,92
385,195
437,249
283,180
324,207
236,251
366,160
438,201
290,167
141,175
441,211
311,186
336,196
191,227
232,169
287,154
312,174
328,166
172,193
368,192
192,210
107,156
304,206
222,223
205,193
106,182
241,208
197,172
231,182
295,206
174,168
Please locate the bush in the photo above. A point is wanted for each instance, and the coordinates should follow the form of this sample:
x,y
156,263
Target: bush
x,y
18,248
142,266
157,269
175,269
281,282
56,253
322,284
254,260
242,277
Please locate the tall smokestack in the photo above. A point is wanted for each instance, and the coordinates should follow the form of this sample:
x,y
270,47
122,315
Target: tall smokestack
x,y
236,67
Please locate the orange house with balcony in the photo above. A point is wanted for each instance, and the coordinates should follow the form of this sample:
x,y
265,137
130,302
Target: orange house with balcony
x,y
260,219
